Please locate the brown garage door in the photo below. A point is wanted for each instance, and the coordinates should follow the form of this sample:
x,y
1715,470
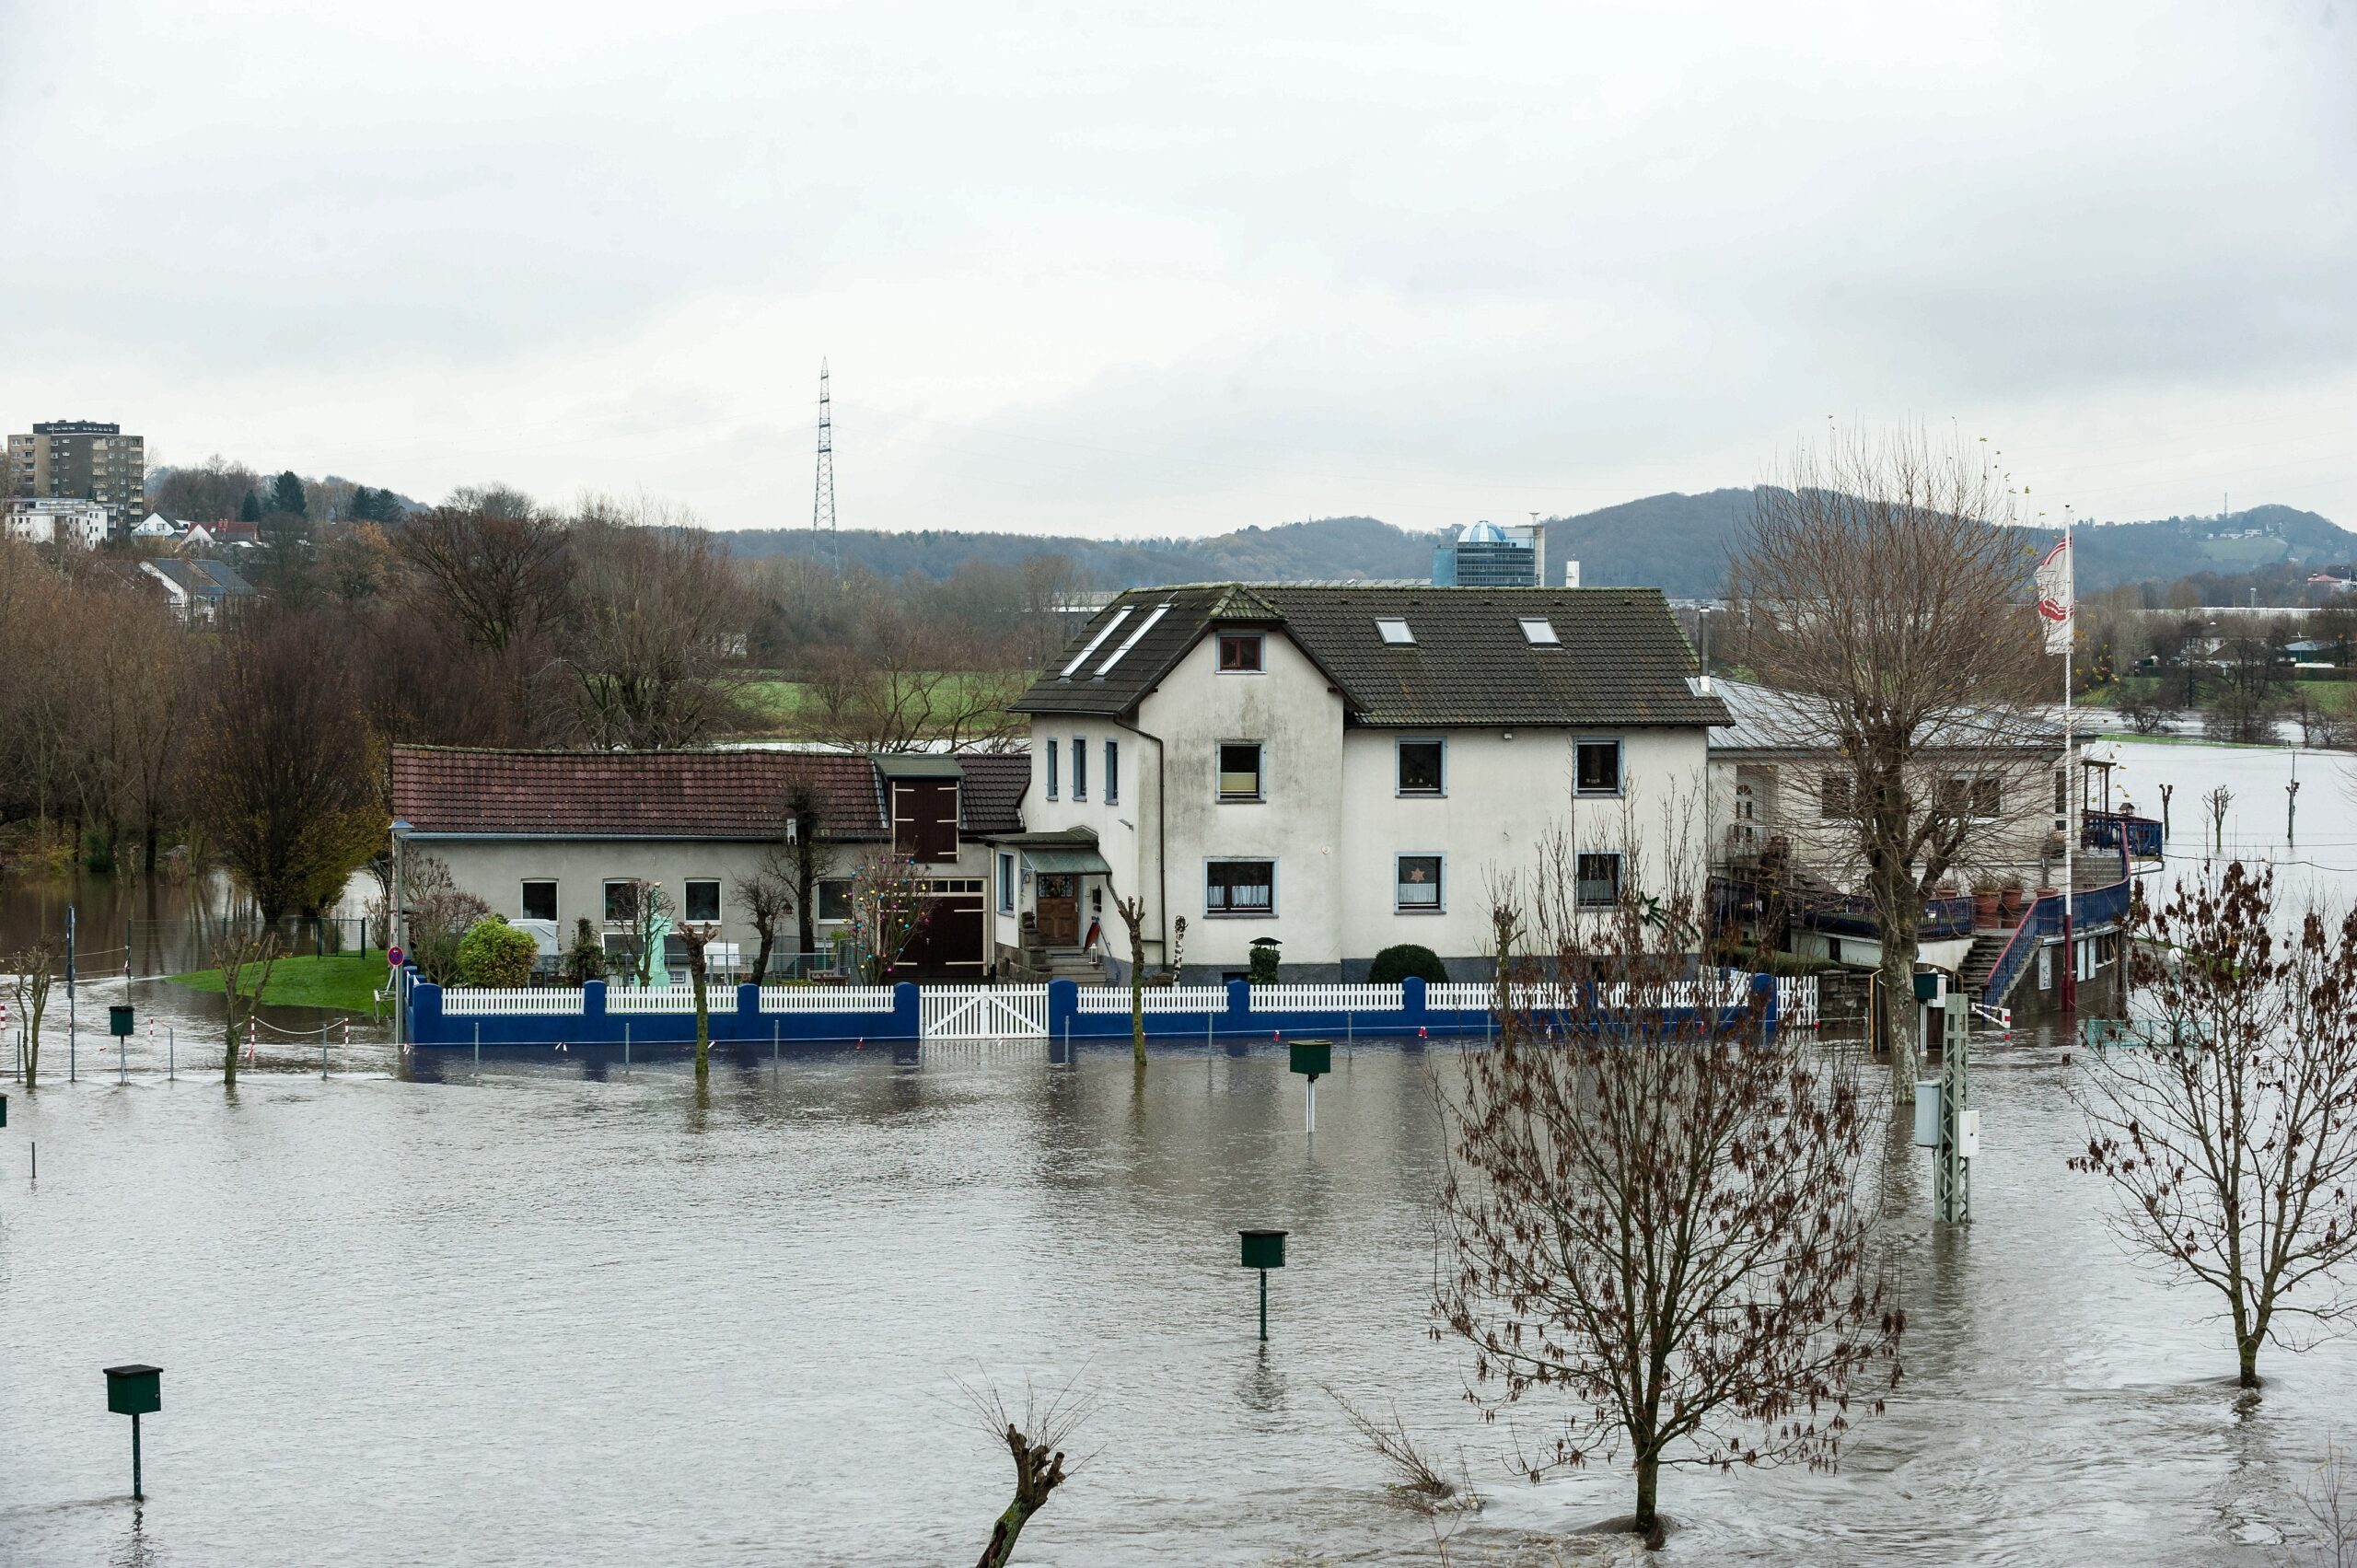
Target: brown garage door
x,y
949,945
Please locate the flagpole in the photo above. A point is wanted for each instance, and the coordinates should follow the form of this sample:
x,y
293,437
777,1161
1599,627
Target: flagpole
x,y
2070,994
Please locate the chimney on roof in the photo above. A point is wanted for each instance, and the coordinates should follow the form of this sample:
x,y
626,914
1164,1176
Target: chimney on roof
x,y
1571,574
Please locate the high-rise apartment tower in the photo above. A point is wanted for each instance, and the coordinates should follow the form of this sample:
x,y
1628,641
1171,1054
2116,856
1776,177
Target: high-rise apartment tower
x,y
83,459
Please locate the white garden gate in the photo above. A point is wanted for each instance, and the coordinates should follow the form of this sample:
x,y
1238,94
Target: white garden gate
x,y
983,1012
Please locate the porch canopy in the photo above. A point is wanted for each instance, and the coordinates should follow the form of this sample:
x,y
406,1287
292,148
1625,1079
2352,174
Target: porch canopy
x,y
1069,851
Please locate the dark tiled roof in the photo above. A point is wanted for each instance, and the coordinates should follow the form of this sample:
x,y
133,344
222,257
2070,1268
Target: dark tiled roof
x,y
1620,659
703,794
992,801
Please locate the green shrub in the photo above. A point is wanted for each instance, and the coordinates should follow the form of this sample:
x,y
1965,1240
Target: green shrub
x,y
1398,962
1261,969
495,952
585,959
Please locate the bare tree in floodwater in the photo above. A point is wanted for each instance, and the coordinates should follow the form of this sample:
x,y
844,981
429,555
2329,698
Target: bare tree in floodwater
x,y
245,961
30,974
2231,1131
1657,1216
1879,587
1035,1439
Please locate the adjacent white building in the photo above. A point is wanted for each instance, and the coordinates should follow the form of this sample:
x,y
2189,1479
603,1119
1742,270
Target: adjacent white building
x,y
1344,768
57,519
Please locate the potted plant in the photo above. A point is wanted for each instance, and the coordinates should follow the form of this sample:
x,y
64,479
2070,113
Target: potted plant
x,y
2009,900
1984,901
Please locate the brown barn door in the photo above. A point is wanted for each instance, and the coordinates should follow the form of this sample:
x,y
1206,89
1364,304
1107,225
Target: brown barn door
x,y
924,821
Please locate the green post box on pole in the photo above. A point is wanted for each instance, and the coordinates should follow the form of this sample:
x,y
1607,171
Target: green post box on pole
x,y
119,1021
1311,1057
135,1390
1263,1249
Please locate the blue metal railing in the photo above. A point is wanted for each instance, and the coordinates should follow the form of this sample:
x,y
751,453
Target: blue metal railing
x,y
2106,830
1841,915
2092,910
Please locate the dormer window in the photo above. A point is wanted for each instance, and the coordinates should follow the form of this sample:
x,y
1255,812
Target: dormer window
x,y
1539,633
1396,632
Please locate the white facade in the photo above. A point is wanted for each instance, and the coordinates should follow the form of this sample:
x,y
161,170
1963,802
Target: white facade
x,y
1331,818
47,520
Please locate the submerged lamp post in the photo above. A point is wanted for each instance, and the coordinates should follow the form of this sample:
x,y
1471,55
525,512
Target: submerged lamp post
x,y
135,1390
119,1026
1263,1249
1311,1057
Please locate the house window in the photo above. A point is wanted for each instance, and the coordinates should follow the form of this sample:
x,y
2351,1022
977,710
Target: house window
x,y
1418,883
621,901
702,902
539,901
1420,766
1239,652
1240,886
1396,632
1836,796
1112,773
1239,770
1961,798
1006,883
834,899
1597,767
1052,769
1598,879
1079,768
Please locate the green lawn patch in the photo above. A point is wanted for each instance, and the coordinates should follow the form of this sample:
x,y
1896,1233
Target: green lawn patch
x,y
342,982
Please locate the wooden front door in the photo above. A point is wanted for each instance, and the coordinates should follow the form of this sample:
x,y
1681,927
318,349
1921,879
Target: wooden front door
x,y
1057,913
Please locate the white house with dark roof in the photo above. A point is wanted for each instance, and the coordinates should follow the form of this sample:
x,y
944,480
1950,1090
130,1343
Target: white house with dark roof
x,y
1344,768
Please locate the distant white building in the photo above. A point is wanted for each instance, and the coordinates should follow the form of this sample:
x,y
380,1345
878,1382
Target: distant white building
x,y
57,519
159,526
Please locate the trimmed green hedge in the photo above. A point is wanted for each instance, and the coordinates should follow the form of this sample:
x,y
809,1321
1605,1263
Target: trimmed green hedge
x,y
1395,964
495,952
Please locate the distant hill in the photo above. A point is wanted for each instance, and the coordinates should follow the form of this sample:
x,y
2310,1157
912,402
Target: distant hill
x,y
1354,548
1678,543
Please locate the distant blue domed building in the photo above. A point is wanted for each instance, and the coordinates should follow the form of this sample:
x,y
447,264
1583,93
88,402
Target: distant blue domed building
x,y
1487,556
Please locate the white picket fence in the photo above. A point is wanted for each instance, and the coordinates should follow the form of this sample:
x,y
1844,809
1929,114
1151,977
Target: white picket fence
x,y
1796,1000
487,1001
1469,994
1158,998
827,998
983,1012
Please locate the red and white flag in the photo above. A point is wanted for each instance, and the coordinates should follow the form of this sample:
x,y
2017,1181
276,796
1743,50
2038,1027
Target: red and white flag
x,y
2057,596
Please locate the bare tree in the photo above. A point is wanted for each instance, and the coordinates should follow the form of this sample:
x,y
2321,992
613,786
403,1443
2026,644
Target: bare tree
x,y
1036,1439
488,564
438,916
659,617
2215,802
1657,1211
693,937
2232,1132
889,908
1881,592
1133,914
31,972
906,682
647,914
245,960
769,900
286,776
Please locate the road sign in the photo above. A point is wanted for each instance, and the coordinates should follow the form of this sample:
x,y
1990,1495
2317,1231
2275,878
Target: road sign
x,y
393,958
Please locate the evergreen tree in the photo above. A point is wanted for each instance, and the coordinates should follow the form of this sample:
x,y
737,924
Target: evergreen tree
x,y
249,510
286,494
363,507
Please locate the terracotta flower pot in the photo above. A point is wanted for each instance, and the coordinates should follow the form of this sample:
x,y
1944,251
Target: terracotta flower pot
x,y
2009,905
1984,908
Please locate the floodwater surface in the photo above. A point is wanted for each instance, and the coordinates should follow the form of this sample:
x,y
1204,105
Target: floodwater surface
x,y
558,1313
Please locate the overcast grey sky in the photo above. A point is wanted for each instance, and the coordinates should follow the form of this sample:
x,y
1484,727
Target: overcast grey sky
x,y
1122,269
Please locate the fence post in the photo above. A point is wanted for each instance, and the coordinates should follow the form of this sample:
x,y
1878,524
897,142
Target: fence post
x,y
1411,1000
908,1011
1063,1002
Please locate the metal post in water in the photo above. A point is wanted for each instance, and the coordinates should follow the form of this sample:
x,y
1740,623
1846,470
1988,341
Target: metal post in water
x,y
136,1495
171,1055
1952,1169
1264,1306
1350,1036
1312,1102
478,1048
773,1034
323,1050
69,1039
625,1047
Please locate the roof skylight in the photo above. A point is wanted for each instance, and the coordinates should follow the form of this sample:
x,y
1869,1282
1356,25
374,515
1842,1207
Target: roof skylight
x,y
1539,631
1082,657
1135,638
1396,632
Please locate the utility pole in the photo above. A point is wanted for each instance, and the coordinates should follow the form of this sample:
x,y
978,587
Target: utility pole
x,y
822,505
71,1040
